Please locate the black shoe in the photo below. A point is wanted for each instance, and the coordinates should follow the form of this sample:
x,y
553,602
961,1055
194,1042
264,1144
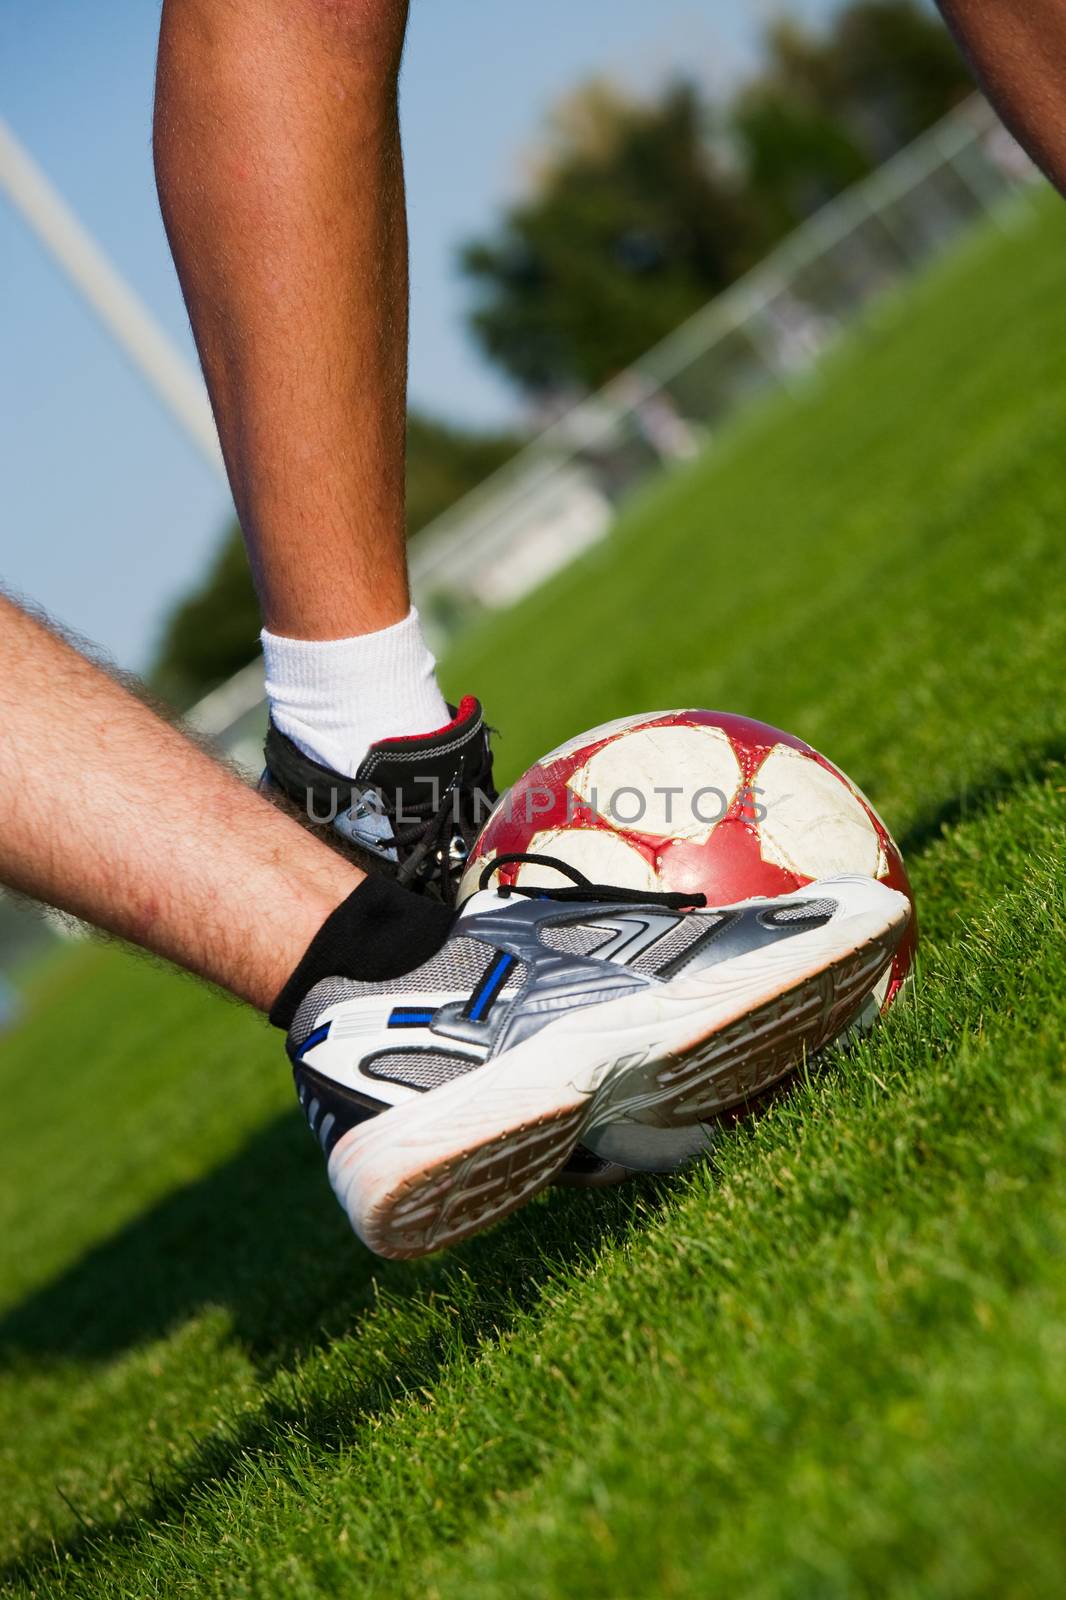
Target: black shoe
x,y
413,809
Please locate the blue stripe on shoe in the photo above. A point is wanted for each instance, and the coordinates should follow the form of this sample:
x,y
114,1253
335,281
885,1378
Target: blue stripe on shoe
x,y
312,1039
409,1017
489,987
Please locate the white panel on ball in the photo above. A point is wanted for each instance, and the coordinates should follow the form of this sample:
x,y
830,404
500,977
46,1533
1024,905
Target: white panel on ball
x,y
603,857
813,824
605,730
628,774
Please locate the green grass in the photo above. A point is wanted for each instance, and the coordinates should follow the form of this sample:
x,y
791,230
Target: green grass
x,y
832,1362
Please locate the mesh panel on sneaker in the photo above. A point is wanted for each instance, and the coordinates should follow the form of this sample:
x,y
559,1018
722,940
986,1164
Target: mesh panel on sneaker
x,y
575,938
681,941
458,965
419,1069
804,911
327,993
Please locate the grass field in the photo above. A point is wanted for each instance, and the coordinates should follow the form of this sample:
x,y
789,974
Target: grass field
x,y
832,1362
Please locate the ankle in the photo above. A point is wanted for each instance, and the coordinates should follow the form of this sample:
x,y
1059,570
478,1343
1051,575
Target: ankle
x,y
334,698
379,932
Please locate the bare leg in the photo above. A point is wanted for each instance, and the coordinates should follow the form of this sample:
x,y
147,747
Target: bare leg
x,y
280,177
1018,51
110,813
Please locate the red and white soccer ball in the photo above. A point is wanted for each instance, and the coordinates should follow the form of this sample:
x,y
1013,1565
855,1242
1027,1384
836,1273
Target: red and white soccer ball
x,y
697,800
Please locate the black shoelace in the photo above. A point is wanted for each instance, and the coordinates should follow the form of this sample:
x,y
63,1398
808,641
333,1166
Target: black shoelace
x,y
440,837
583,888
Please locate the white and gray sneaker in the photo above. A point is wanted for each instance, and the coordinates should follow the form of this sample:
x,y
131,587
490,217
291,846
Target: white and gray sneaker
x,y
448,1097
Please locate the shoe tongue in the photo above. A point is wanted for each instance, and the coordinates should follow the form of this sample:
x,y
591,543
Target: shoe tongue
x,y
415,768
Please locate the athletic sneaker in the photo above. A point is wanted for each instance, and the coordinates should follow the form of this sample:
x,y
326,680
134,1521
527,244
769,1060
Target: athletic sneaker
x,y
447,1097
413,808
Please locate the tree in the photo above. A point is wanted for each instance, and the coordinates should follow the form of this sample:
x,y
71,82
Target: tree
x,y
884,72
213,632
635,219
796,157
633,226
445,463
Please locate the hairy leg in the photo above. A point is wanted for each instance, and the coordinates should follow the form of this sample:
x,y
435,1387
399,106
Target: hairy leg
x,y
110,813
281,182
1018,51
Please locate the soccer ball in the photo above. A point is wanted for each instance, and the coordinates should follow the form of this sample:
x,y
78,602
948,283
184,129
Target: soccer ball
x,y
692,800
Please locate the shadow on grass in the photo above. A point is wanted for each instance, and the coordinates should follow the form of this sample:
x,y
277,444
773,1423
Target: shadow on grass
x,y
262,1237
974,800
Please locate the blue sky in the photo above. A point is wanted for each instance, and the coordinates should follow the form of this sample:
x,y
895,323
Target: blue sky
x,y
106,512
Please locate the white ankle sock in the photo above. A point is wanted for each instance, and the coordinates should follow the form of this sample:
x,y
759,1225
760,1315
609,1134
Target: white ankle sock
x,y
334,698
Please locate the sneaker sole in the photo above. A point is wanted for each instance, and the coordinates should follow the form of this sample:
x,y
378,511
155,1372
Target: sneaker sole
x,y
431,1172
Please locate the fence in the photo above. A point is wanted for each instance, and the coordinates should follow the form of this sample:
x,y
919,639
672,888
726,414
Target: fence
x,y
562,492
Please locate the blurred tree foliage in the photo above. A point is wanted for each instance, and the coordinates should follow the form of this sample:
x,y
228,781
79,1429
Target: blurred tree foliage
x,y
640,211
631,226
214,631
444,463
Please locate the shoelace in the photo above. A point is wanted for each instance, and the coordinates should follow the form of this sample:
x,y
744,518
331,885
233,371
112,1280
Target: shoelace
x,y
583,888
435,831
